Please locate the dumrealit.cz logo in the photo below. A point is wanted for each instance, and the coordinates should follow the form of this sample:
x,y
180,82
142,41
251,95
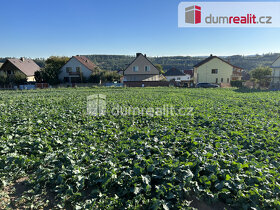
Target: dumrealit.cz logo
x,y
193,14
229,14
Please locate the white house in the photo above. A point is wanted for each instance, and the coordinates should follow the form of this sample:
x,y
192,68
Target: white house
x,y
76,69
177,75
275,76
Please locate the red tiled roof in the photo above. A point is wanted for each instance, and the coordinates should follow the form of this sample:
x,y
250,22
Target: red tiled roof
x,y
86,62
27,66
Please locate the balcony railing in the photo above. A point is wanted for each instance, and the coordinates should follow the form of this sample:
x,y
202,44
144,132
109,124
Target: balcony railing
x,y
74,73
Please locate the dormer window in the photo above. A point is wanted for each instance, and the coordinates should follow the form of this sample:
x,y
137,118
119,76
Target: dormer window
x,y
147,68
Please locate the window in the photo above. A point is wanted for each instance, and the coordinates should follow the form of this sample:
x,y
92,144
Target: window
x,y
178,78
135,68
222,79
214,71
78,69
216,80
227,80
68,69
9,72
147,68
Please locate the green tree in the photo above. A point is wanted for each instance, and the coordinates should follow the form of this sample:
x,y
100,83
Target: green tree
x,y
159,67
39,77
110,76
52,69
262,75
101,76
3,78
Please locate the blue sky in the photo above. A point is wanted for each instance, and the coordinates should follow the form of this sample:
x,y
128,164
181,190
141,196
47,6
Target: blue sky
x,y
41,28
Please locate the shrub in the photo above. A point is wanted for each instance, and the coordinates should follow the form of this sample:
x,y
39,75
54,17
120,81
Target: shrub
x,y
236,83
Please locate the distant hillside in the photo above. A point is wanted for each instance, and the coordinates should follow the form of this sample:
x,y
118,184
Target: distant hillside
x,y
118,62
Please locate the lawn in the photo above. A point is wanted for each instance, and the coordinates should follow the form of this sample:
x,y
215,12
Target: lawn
x,y
221,149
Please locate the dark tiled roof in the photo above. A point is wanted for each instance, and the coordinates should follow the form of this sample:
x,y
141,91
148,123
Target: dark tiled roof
x,y
212,57
189,72
27,66
174,72
86,62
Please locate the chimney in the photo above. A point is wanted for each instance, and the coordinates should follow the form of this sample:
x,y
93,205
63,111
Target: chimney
x,y
138,54
211,55
22,59
145,55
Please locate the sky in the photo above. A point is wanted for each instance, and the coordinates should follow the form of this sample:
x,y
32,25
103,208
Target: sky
x,y
42,28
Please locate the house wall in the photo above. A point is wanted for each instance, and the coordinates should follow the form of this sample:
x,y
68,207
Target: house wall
x,y
203,73
275,78
276,63
31,79
141,78
275,75
182,78
73,63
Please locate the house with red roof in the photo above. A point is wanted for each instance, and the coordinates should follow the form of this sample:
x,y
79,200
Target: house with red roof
x,y
26,67
76,69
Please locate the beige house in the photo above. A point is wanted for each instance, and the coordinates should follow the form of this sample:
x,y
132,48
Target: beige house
x,y
26,67
141,69
275,76
216,70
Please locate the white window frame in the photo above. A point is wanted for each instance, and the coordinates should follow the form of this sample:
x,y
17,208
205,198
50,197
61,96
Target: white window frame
x,y
214,71
147,68
135,68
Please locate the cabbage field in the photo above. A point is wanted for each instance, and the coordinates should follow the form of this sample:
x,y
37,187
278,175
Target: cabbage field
x,y
221,152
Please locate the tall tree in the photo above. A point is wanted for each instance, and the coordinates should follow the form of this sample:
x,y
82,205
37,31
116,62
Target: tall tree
x,y
52,69
262,75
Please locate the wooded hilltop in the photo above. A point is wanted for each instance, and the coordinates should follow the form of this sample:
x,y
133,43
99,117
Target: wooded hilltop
x,y
120,62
